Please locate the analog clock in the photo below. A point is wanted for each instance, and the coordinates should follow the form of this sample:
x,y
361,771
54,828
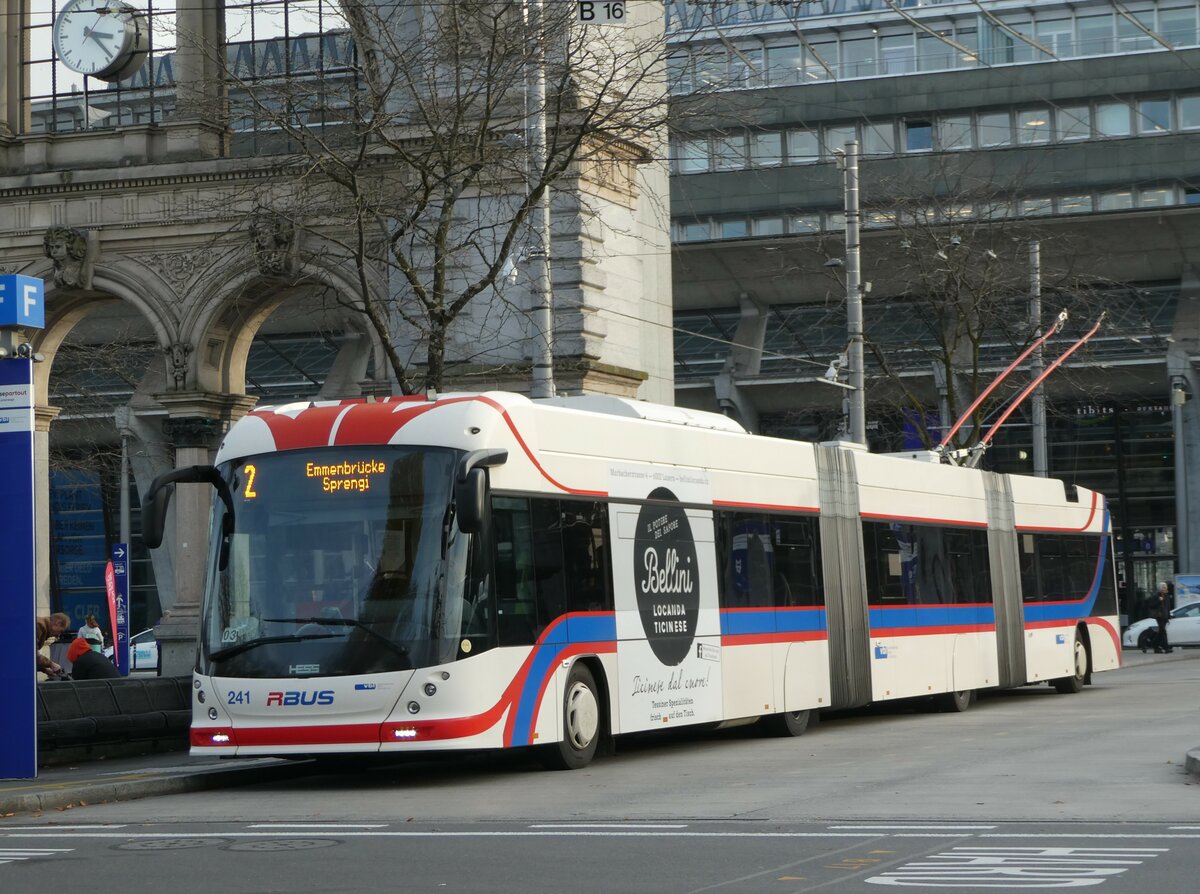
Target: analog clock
x,y
104,39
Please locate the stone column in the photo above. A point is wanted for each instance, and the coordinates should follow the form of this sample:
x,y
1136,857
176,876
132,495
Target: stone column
x,y
197,129
43,416
12,45
197,422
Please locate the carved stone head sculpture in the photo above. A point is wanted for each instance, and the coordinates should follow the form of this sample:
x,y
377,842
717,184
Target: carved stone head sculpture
x,y
272,237
68,249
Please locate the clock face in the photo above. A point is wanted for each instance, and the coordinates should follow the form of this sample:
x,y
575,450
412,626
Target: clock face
x,y
96,37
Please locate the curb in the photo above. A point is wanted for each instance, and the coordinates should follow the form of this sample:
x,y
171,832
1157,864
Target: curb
x,y
75,794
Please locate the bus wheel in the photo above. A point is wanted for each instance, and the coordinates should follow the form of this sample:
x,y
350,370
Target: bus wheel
x,y
955,702
1074,683
581,723
789,723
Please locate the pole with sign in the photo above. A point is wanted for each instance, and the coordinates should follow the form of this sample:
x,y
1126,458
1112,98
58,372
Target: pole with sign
x,y
116,581
21,305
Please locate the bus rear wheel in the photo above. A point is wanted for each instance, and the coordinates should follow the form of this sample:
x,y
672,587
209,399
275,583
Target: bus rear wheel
x,y
789,723
1074,683
955,702
582,725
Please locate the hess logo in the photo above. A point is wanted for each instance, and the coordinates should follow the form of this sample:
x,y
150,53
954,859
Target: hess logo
x,y
295,697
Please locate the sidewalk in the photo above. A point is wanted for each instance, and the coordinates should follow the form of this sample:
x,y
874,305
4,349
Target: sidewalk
x,y
129,778
169,773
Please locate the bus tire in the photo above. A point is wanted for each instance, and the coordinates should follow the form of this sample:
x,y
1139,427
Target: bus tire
x,y
582,723
1074,683
955,702
789,723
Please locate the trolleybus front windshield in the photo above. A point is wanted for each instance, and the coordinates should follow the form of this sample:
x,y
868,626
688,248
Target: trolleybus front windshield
x,y
341,561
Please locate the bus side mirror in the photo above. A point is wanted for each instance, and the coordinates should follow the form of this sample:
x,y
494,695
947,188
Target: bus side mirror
x,y
158,498
470,499
471,487
154,513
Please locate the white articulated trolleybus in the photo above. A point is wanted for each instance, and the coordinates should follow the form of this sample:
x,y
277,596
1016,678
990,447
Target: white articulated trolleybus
x,y
485,571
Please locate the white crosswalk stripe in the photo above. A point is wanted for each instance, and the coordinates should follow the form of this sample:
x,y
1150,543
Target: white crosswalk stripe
x,y
12,855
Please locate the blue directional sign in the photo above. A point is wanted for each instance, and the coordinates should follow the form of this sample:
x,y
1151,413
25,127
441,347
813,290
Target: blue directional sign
x,y
18,596
120,564
22,301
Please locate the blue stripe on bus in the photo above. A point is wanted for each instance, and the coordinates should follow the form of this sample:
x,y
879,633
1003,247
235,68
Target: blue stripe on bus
x,y
769,620
582,628
923,616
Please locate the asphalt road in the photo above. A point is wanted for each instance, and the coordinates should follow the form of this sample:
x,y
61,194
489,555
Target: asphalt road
x,y
1028,789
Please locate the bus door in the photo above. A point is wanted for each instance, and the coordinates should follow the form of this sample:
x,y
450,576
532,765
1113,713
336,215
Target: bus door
x,y
665,591
1006,582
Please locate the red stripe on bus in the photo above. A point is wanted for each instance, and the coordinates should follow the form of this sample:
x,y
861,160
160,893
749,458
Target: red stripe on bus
x,y
741,504
882,516
325,734
932,631
758,639
1105,625
1087,524
1046,625
569,652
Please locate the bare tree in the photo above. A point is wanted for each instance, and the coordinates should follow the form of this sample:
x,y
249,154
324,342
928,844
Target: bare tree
x,y
416,161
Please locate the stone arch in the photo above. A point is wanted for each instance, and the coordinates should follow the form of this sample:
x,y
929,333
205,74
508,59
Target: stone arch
x,y
223,320
65,308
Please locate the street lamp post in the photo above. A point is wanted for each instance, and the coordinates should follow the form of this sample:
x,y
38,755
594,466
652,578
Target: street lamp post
x,y
854,310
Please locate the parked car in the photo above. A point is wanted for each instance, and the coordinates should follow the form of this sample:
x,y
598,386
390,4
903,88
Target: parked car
x,y
1184,629
143,651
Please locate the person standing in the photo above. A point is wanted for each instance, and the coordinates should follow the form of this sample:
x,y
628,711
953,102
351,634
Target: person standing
x,y
89,624
1160,610
45,630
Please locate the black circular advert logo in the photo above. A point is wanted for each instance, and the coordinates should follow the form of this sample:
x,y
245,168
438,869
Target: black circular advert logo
x,y
667,579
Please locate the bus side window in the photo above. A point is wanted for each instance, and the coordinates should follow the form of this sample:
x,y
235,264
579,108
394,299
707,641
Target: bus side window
x,y
797,562
547,562
515,612
1029,578
585,556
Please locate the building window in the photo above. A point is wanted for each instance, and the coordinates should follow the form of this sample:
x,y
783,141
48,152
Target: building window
x,y
897,54
1154,116
1095,35
1073,123
766,149
1112,119
768,226
1075,205
1033,126
879,139
801,224
955,133
836,139
802,146
1191,195
995,129
712,69
1178,26
729,153
746,67
1035,207
1116,201
1189,112
697,231
918,135
820,61
858,58
1057,36
783,64
934,54
734,229
1156,198
693,157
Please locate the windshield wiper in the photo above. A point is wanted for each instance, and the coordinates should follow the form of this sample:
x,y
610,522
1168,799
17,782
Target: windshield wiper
x,y
344,622
230,651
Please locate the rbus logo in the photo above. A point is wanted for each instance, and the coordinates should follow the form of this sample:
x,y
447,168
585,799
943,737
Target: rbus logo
x,y
294,698
666,573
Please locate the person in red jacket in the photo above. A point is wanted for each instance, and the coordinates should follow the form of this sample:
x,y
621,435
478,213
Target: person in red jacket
x,y
87,657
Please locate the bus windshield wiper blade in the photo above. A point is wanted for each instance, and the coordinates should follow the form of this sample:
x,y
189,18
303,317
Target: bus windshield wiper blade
x,y
346,622
230,651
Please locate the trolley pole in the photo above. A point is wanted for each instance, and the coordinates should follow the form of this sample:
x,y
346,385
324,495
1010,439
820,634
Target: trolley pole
x,y
1041,465
854,309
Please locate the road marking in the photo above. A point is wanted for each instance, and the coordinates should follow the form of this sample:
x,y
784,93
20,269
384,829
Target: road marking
x,y
57,828
1016,867
923,828
541,833
608,826
12,855
318,826
1123,836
